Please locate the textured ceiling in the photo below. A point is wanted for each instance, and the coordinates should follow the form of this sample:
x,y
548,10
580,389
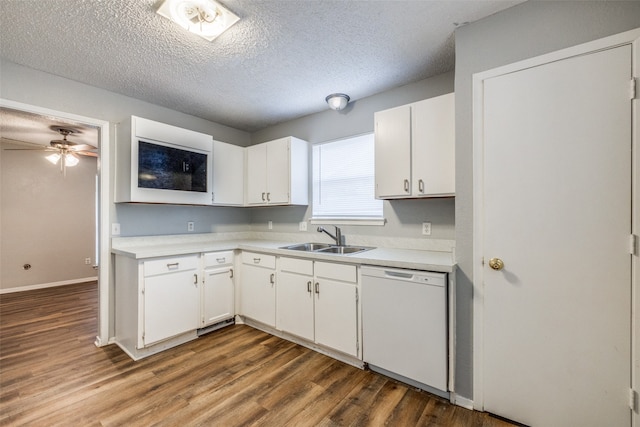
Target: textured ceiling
x,y
21,126
277,63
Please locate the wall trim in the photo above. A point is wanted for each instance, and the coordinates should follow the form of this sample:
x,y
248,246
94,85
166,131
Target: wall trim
x,y
462,401
48,285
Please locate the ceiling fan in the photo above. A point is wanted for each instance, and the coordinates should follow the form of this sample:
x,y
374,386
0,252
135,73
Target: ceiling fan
x,y
64,151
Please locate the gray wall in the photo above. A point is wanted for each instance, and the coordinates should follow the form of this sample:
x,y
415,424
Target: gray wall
x,y
33,87
524,31
48,219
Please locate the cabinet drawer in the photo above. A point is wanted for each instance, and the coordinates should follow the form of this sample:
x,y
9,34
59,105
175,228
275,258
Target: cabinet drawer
x,y
342,272
218,259
260,260
170,265
295,265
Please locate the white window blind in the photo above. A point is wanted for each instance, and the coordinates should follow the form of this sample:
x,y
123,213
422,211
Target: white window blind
x,y
343,179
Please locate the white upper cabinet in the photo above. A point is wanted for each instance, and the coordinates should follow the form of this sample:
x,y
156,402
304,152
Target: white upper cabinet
x,y
228,174
415,149
278,173
393,152
160,163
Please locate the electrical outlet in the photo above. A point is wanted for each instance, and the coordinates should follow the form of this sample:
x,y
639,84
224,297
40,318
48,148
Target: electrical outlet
x,y
191,226
303,226
87,261
270,225
426,228
115,229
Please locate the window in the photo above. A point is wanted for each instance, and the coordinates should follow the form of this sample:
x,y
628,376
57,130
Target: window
x,y
344,180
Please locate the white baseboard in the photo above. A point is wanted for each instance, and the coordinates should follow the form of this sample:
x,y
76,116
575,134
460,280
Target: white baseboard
x,y
48,285
462,401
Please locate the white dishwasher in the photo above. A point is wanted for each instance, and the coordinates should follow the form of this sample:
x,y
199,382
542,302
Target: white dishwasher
x,y
404,324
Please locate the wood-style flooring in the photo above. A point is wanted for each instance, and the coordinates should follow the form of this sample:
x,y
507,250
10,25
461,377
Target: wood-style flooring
x,y
52,374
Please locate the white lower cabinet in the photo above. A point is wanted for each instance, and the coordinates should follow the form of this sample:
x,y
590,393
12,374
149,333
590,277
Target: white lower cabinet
x,y
218,291
157,300
162,302
336,306
171,303
258,290
295,313
318,301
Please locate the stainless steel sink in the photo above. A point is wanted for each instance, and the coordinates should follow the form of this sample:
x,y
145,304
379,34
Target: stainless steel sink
x,y
326,248
307,247
342,250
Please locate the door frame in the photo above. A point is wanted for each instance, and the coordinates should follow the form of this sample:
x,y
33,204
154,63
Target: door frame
x,y
102,211
629,37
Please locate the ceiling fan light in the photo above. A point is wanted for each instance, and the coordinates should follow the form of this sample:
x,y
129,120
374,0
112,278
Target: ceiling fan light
x,y
53,158
337,101
206,18
70,160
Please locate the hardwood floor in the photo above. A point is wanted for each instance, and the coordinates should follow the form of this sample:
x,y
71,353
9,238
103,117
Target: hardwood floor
x,y
52,374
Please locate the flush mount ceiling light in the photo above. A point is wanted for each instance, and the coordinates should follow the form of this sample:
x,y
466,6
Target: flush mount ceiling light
x,y
337,101
206,18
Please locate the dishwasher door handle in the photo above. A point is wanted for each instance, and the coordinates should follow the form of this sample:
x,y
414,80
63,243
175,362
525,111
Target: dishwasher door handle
x,y
398,275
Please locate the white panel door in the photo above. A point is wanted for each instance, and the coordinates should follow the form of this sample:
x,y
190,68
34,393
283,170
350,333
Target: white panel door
x,y
433,137
336,315
228,174
295,304
257,174
171,305
393,152
278,171
557,212
217,296
258,294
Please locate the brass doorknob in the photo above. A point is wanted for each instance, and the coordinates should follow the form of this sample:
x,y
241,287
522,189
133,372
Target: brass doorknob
x,y
496,264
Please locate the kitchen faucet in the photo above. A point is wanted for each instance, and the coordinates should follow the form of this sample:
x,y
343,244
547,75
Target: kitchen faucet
x,y
337,237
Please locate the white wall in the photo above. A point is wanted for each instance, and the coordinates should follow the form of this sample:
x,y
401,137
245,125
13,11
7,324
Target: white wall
x,y
48,219
524,31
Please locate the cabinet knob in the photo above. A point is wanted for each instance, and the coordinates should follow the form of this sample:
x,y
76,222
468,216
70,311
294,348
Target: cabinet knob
x,y
421,186
496,263
406,185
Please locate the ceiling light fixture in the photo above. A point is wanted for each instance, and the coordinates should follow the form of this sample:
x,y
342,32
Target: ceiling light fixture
x,y
67,160
206,18
337,101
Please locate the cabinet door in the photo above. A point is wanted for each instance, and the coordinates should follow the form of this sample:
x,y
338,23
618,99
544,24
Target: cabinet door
x,y
217,296
393,152
258,294
278,171
228,174
336,315
257,174
295,304
171,305
433,146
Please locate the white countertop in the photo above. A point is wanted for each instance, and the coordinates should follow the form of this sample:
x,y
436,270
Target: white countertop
x,y
156,246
